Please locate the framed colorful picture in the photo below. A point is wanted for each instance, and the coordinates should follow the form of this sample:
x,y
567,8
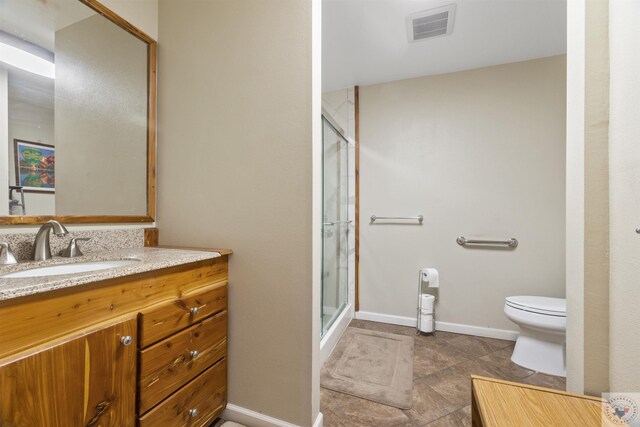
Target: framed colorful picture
x,y
35,166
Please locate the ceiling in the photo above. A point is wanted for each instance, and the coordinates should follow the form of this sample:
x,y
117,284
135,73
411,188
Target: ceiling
x,y
36,21
365,41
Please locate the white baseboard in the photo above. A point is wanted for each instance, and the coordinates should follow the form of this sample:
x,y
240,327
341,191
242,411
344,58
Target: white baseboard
x,y
501,334
319,420
250,418
457,328
386,318
331,338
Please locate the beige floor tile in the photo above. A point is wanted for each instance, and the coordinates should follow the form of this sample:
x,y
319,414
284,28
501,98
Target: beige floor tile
x,y
453,383
465,416
383,327
427,404
472,347
341,409
501,361
451,420
443,364
434,356
366,413
544,380
496,342
460,418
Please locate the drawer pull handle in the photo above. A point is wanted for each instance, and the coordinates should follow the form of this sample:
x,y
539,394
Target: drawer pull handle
x,y
101,407
178,361
194,354
126,340
194,310
193,413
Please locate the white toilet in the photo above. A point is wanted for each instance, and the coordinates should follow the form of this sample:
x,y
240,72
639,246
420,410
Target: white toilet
x,y
543,325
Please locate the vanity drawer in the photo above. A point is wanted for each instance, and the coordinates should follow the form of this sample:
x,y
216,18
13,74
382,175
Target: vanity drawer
x,y
169,364
206,395
162,320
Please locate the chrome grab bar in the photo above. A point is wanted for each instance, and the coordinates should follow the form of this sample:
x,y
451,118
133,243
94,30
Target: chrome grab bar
x,y
418,218
512,243
336,222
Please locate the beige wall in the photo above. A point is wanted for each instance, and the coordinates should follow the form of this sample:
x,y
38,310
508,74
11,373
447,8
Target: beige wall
x,y
141,13
479,153
596,199
588,198
235,170
101,147
575,195
624,293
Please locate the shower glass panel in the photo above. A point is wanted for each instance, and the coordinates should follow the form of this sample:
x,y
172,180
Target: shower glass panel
x,y
335,225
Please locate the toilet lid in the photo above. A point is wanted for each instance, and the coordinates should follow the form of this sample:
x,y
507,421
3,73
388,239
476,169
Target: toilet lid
x,y
541,305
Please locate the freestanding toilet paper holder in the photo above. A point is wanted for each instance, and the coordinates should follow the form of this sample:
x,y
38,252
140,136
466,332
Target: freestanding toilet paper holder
x,y
425,315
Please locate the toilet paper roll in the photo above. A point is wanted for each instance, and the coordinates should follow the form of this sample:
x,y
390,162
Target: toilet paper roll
x,y
426,323
426,303
431,277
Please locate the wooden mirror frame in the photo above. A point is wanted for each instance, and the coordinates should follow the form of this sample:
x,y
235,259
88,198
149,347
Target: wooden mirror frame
x,y
151,138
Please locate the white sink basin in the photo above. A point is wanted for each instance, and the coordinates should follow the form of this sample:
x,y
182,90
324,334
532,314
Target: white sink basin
x,y
79,267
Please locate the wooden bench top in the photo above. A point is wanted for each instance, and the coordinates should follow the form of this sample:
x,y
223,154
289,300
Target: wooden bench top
x,y
498,403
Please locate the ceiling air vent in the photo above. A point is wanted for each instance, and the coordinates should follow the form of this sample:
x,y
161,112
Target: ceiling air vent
x,y
431,23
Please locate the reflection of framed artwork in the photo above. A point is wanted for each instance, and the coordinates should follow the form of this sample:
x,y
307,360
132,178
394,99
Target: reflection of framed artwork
x,y
35,166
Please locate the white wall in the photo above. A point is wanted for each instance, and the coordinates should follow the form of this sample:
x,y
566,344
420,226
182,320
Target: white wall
x,y
4,138
31,122
237,161
624,161
479,153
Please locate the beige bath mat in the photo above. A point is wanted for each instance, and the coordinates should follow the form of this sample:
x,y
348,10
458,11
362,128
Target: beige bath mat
x,y
372,365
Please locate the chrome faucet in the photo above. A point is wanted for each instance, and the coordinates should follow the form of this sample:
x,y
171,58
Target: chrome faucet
x,y
73,250
41,245
6,256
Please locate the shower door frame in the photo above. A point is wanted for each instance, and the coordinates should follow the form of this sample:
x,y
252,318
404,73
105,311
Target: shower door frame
x,y
326,119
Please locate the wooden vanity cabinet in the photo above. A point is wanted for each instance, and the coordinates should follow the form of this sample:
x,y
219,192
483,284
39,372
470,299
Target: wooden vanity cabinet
x,y
176,360
182,359
86,381
147,349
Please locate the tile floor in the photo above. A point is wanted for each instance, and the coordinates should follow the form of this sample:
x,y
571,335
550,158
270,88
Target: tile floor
x,y
442,365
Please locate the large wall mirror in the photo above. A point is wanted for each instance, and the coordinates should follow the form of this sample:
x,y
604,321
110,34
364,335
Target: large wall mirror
x,y
77,114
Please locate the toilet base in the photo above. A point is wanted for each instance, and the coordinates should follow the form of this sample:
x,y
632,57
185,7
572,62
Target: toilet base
x,y
541,352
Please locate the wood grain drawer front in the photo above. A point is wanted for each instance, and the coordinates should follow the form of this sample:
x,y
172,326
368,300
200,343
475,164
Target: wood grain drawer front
x,y
194,405
163,320
171,363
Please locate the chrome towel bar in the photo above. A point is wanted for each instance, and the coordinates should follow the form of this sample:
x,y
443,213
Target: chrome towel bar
x,y
418,218
336,222
512,243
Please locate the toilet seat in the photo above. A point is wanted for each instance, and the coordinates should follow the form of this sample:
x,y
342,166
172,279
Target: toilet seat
x,y
540,305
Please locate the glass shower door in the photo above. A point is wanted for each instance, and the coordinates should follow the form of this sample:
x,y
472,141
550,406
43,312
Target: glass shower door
x,y
335,225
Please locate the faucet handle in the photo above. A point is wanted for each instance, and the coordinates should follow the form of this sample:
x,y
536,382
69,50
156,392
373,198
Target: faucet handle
x,y
6,255
73,250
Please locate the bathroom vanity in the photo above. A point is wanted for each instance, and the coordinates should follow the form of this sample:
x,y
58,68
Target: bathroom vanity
x,y
143,344
119,338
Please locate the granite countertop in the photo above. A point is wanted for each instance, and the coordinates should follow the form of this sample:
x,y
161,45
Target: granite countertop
x,y
150,259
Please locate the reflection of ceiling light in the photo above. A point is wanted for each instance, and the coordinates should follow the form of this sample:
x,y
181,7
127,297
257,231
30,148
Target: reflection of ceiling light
x,y
26,61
